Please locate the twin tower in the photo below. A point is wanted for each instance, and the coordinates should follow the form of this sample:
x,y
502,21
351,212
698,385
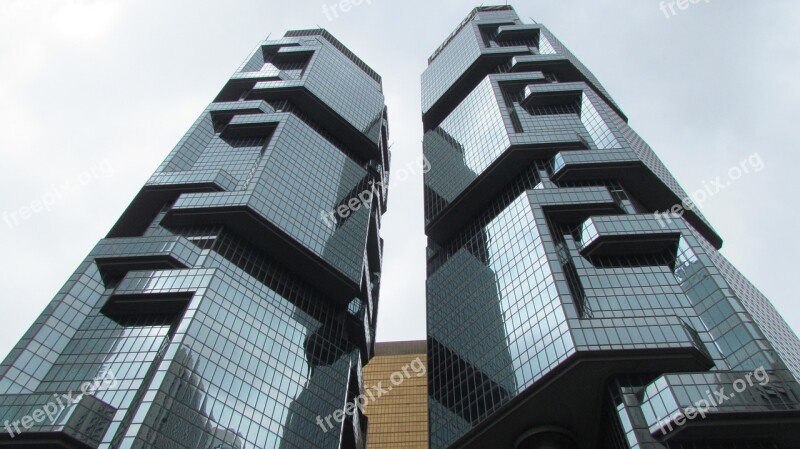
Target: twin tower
x,y
234,303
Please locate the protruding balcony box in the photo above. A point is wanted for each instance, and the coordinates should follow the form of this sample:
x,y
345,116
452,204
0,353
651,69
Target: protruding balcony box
x,y
75,425
116,256
743,405
621,235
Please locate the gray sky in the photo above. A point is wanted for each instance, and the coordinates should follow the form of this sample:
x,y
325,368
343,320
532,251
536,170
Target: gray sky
x,y
94,94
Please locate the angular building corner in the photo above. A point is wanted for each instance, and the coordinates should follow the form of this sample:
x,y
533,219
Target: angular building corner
x,y
562,313
233,305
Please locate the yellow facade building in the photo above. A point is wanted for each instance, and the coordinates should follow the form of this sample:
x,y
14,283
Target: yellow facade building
x,y
398,409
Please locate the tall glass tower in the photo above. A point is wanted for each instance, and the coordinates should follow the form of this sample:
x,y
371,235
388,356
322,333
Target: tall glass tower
x,y
233,304
563,312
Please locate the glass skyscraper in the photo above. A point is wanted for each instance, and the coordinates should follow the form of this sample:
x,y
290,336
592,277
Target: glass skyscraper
x,y
564,311
233,304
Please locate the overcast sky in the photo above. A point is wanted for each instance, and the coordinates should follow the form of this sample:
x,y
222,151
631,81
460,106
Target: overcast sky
x,y
94,94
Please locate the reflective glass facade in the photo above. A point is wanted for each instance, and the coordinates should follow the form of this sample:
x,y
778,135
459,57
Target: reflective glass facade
x,y
562,312
233,304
